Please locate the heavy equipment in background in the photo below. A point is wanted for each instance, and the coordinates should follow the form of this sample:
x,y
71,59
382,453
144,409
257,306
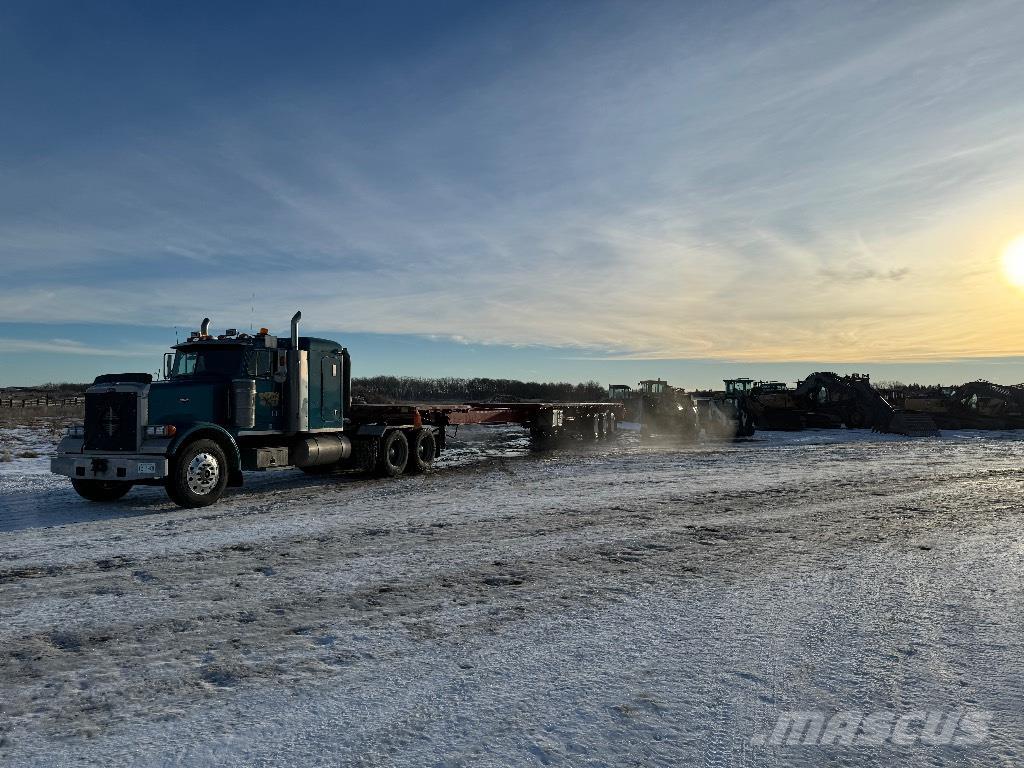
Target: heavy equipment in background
x,y
238,402
671,412
827,399
732,406
773,406
974,405
666,411
623,393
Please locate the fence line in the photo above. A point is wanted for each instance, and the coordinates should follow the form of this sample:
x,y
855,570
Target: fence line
x,y
40,401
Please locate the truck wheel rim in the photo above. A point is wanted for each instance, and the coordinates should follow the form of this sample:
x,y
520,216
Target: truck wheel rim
x,y
203,473
424,451
395,454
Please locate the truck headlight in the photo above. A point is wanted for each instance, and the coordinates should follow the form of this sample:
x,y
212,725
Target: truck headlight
x,y
161,430
77,431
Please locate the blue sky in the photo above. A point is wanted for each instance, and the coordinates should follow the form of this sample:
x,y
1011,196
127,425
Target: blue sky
x,y
560,190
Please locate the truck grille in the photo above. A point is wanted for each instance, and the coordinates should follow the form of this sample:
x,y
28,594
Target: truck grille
x,y
111,421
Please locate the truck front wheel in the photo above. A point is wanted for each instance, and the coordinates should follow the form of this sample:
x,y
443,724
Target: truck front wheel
x,y
100,490
199,475
394,454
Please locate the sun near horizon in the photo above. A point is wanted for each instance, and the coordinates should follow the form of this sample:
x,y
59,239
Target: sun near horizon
x,y
1013,261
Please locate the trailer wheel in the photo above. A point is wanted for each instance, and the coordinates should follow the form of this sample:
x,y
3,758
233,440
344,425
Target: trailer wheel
x,y
394,454
422,448
100,490
199,475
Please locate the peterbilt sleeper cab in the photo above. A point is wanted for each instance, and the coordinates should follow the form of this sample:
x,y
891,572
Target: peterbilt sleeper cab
x,y
230,403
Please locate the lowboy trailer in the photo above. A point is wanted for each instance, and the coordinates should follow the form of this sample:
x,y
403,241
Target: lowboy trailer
x,y
249,402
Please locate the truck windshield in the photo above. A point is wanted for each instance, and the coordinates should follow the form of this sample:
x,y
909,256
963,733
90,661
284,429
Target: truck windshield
x,y
194,363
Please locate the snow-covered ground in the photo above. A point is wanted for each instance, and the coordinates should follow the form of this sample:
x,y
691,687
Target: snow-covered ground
x,y
617,604
25,450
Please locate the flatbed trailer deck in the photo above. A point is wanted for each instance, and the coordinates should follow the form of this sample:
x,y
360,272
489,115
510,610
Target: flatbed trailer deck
x,y
544,420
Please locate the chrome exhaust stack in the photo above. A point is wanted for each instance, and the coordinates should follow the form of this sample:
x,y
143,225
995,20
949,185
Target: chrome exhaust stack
x,y
204,329
298,382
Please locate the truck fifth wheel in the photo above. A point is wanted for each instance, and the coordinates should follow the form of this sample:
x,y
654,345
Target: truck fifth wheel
x,y
248,402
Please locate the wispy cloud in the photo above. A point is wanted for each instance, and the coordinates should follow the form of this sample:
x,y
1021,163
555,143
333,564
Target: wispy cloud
x,y
858,274
71,347
802,181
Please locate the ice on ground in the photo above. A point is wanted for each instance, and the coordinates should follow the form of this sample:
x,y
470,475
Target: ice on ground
x,y
620,603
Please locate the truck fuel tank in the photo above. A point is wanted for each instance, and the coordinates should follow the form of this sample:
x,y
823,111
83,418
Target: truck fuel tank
x,y
319,450
243,396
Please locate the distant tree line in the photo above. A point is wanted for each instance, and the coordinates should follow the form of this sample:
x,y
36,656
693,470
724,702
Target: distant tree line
x,y
387,389
384,389
54,391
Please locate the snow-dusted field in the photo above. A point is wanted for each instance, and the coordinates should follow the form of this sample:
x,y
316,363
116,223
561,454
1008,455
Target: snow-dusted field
x,y
621,604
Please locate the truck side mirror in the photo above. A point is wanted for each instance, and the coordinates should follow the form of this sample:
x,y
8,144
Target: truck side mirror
x,y
168,362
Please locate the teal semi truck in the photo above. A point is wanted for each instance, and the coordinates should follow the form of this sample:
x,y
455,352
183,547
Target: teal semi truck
x,y
240,402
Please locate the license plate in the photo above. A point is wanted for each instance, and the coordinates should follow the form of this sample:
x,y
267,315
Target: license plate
x,y
147,467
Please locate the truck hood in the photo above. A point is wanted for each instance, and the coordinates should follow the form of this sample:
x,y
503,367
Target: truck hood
x,y
186,401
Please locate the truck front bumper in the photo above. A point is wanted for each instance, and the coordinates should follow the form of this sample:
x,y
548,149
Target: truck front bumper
x,y
131,468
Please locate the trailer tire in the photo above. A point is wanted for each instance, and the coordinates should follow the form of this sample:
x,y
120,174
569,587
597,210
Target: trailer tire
x,y
199,474
422,449
100,490
394,454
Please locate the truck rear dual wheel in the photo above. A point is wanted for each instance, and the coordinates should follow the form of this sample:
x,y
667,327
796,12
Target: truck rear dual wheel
x,y
100,490
199,475
422,449
394,454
